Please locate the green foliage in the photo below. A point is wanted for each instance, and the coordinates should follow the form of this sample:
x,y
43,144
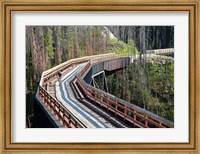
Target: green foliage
x,y
114,40
154,92
62,37
48,42
59,60
29,103
167,110
69,45
119,47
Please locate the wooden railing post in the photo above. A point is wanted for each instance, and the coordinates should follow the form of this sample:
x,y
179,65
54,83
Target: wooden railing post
x,y
108,103
54,110
95,96
70,122
101,100
160,124
45,98
124,113
59,115
116,109
146,122
134,118
51,104
64,121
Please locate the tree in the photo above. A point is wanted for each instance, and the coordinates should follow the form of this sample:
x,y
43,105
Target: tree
x,y
58,51
50,50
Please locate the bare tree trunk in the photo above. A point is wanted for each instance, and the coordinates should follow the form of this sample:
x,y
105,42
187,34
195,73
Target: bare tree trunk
x,y
77,43
58,51
41,50
33,52
94,40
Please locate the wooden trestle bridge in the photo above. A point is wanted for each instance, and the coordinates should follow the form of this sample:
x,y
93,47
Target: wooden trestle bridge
x,y
73,102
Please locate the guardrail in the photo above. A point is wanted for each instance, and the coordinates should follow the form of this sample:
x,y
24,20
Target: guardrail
x,y
46,75
128,112
54,73
61,113
120,108
160,51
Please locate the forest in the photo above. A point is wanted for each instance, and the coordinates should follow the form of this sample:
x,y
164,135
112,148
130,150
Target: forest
x,y
149,85
151,89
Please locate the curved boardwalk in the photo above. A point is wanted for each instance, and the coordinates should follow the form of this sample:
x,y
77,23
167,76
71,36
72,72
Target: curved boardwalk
x,y
76,104
64,94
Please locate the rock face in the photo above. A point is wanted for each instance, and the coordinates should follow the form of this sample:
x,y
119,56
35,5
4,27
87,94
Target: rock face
x,y
107,33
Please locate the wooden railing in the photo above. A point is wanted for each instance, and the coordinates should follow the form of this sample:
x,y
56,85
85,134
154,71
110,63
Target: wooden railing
x,y
54,73
59,68
60,112
84,69
160,51
120,108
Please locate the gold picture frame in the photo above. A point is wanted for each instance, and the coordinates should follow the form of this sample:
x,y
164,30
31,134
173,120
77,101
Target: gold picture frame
x,y
192,6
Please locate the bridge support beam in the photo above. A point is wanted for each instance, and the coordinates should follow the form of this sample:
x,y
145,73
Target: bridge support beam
x,y
99,81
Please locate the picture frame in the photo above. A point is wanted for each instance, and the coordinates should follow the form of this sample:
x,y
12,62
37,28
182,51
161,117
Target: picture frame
x,y
8,7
